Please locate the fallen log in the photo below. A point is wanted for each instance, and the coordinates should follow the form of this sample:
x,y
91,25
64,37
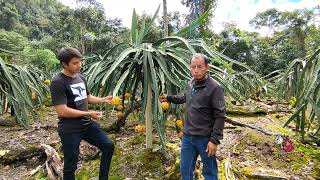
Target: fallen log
x,y
14,156
267,176
246,113
53,165
280,111
237,123
7,122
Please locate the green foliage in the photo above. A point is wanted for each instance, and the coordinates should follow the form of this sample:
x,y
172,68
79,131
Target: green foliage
x,y
154,32
193,25
12,41
15,48
272,54
130,67
247,171
313,38
52,25
301,80
88,29
292,102
43,59
295,24
11,45
174,20
16,86
295,35
278,129
120,68
237,44
89,170
31,18
40,175
198,8
8,15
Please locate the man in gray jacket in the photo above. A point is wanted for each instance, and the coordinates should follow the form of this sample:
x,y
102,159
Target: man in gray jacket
x,y
204,120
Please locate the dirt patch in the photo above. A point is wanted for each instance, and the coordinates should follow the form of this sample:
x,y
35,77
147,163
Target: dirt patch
x,y
251,153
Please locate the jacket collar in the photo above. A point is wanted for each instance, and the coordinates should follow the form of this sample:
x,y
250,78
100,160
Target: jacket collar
x,y
201,83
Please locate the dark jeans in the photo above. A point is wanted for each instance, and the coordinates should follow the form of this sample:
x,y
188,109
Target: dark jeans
x,y
192,147
70,145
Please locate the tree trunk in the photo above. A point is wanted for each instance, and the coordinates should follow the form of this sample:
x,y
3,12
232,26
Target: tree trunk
x,y
148,117
83,48
11,110
301,37
165,19
116,126
4,103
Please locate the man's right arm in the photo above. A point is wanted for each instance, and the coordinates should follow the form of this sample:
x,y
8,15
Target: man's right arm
x,y
59,100
176,99
64,111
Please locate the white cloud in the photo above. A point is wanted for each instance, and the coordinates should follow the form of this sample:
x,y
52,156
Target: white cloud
x,y
123,8
237,11
242,11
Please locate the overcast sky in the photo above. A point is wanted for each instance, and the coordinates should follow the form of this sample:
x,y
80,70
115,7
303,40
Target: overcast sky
x,y
237,11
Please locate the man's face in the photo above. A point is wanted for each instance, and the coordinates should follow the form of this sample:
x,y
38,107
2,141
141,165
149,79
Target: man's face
x,y
74,65
198,68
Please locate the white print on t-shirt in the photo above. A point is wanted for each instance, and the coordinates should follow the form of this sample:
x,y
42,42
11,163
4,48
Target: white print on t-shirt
x,y
79,90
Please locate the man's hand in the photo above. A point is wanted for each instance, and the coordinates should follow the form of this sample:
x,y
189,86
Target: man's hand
x,y
106,99
95,115
99,100
211,149
163,98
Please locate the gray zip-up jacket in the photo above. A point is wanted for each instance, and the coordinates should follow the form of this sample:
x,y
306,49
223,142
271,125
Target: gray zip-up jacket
x,y
205,109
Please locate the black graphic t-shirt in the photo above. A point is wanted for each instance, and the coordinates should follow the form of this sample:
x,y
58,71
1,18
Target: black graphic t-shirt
x,y
73,92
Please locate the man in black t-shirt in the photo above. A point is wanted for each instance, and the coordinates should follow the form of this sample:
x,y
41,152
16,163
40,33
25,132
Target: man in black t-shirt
x,y
70,96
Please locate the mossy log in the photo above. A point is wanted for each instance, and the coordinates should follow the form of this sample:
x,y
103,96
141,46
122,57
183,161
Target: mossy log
x,y
7,122
53,163
246,113
14,156
52,167
237,123
310,139
267,176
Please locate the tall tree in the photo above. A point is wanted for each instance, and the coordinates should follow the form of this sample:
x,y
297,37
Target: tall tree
x,y
8,15
237,44
295,23
175,23
196,9
50,24
165,19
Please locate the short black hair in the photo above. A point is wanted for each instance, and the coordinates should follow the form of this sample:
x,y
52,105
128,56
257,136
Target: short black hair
x,y
66,54
200,55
